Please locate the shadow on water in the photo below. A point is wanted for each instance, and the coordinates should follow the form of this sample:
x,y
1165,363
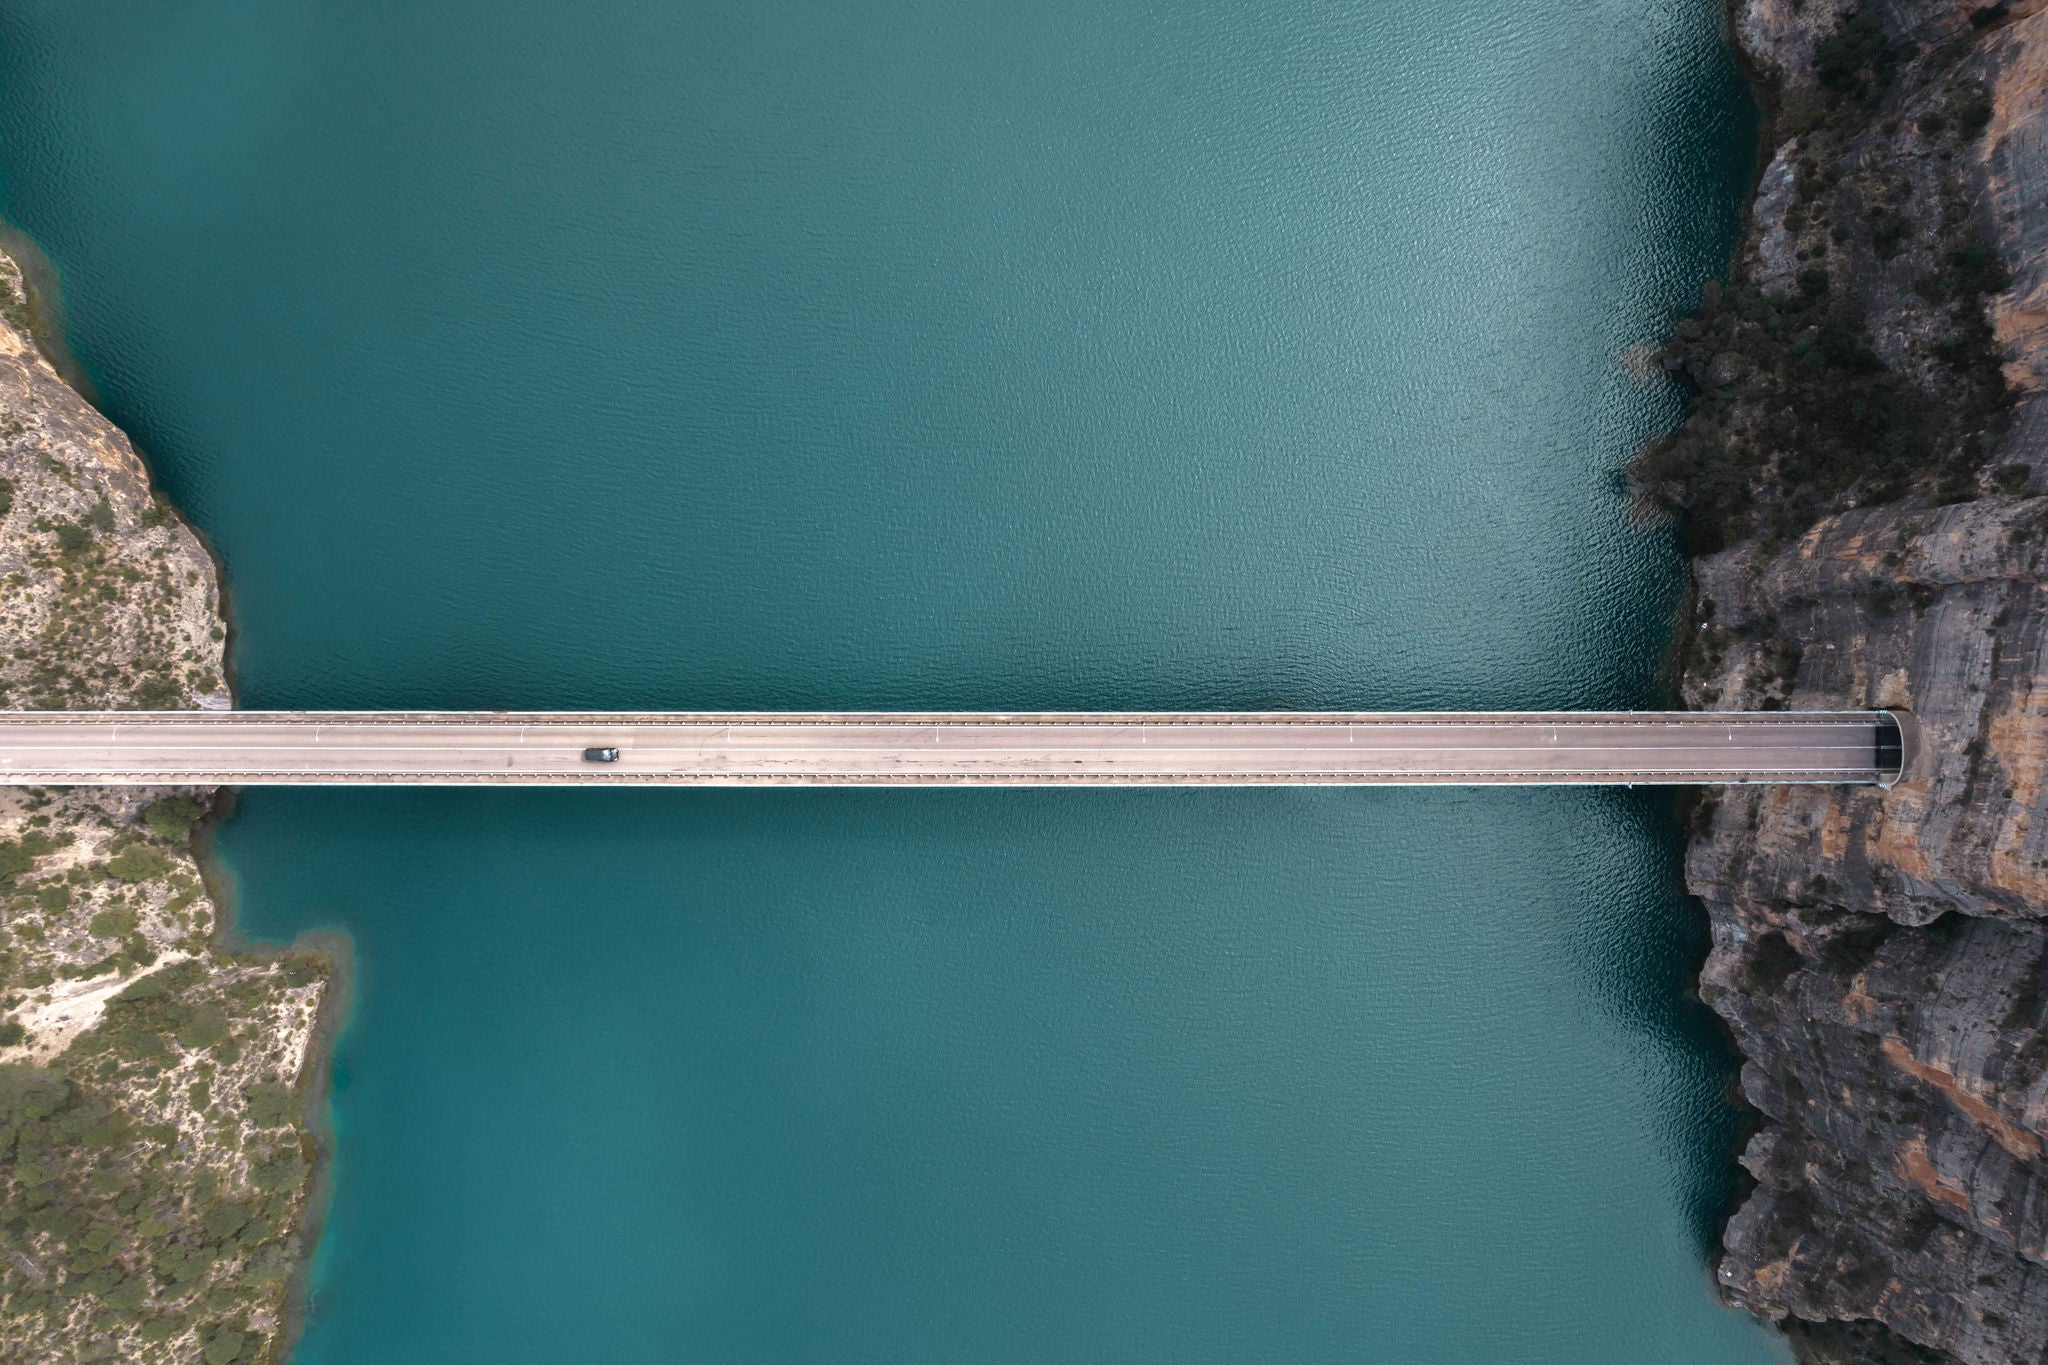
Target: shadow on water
x,y
1640,956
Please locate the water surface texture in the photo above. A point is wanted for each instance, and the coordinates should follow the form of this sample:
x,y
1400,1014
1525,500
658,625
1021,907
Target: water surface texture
x,y
777,354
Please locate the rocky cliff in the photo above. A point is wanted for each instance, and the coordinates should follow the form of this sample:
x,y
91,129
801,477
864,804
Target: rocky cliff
x,y
1861,479
154,1162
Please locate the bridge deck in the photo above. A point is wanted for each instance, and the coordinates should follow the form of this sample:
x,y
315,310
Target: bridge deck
x,y
248,748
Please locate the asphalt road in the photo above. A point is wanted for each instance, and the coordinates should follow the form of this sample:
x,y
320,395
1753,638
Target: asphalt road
x,y
246,748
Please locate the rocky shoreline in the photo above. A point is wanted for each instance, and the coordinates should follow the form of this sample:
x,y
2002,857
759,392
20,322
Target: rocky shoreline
x,y
156,1163
1861,480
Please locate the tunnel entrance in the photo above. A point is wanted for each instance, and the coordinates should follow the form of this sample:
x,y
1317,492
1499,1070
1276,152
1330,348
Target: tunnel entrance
x,y
1891,749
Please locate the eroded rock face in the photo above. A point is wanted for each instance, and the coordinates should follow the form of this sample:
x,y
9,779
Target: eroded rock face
x,y
1901,1181
1882,957
2014,181
1940,611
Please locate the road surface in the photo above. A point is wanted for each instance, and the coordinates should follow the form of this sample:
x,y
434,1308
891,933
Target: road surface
x,y
255,748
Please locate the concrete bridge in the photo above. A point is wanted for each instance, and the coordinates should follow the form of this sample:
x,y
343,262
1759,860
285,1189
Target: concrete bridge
x,y
1201,748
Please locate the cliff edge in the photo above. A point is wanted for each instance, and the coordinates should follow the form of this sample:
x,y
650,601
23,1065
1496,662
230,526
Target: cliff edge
x,y
154,1160
1861,478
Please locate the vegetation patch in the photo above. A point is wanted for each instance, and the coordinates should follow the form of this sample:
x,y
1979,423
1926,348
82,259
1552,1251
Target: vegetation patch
x,y
154,1160
1799,408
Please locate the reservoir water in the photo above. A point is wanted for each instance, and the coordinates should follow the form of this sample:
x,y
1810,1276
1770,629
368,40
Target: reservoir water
x,y
779,354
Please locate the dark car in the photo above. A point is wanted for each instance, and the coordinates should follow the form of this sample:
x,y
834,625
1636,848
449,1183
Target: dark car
x,y
600,755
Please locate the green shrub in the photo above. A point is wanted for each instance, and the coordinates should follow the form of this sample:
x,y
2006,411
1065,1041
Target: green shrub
x,y
138,863
6,496
83,970
1817,417
30,1093
179,976
281,1172
205,1026
2012,478
271,1105
125,1295
158,693
73,539
1858,46
172,818
14,860
183,1266
223,1221
268,1266
1974,269
136,953
116,921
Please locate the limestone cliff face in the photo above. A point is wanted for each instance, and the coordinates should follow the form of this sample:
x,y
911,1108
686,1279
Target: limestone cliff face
x,y
2013,176
1939,610
1882,957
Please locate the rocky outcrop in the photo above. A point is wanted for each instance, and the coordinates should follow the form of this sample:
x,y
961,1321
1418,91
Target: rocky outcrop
x,y
1881,957
154,1159
1864,482
1938,610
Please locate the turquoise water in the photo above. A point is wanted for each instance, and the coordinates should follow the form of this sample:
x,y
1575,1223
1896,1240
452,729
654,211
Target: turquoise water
x,y
783,354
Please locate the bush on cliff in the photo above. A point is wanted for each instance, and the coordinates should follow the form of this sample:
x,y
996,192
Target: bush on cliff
x,y
1791,411
138,863
271,1104
1795,416
171,819
1796,413
1857,58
